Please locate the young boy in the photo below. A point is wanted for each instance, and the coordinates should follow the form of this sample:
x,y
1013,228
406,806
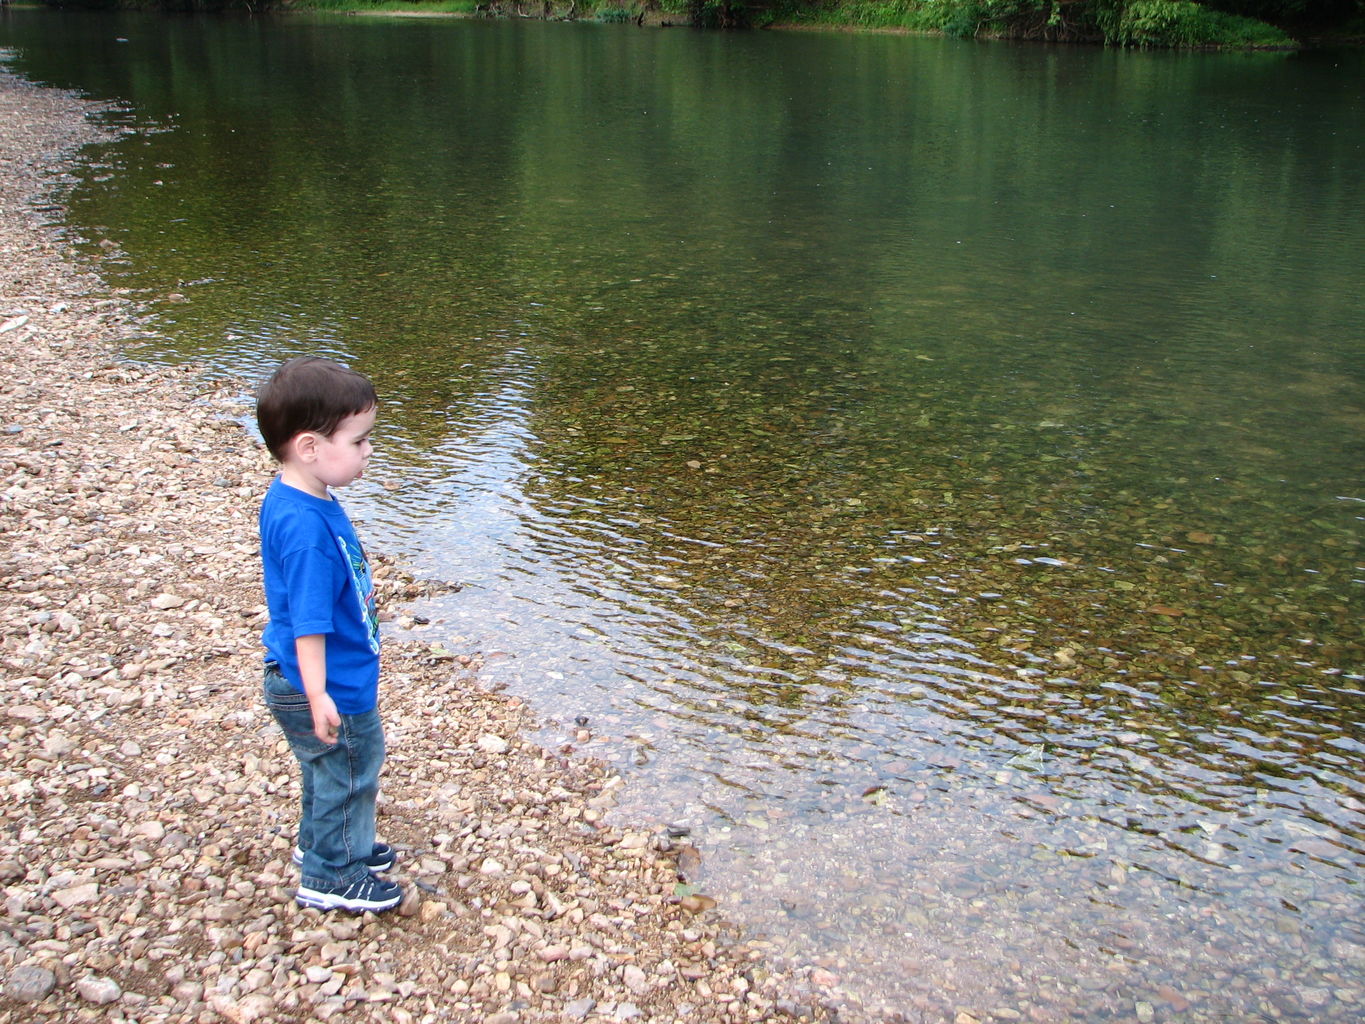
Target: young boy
x,y
322,641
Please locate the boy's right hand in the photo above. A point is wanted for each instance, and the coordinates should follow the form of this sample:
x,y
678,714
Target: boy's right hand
x,y
326,720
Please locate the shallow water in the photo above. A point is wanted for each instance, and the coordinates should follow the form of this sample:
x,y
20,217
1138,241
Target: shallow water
x,y
932,469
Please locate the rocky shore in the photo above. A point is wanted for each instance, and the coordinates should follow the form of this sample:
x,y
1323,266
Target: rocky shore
x,y
146,800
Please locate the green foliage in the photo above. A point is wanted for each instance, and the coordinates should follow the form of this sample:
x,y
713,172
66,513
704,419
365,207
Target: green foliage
x,y
1239,24
718,13
1175,23
911,15
1293,13
1183,23
971,18
962,18
405,6
965,20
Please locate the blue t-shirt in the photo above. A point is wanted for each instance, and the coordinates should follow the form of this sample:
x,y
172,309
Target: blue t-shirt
x,y
318,581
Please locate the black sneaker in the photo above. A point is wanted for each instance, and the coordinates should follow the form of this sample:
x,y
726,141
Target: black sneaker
x,y
381,858
369,893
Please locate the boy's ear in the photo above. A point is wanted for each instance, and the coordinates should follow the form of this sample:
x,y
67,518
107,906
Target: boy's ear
x,y
304,446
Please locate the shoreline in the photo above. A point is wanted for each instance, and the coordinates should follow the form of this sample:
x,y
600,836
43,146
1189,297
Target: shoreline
x,y
147,825
1349,37
1232,38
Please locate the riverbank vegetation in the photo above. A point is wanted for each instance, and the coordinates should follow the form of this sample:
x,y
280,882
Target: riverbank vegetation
x,y
1190,24
1181,23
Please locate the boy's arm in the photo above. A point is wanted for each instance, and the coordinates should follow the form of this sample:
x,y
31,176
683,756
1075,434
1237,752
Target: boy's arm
x,y
312,651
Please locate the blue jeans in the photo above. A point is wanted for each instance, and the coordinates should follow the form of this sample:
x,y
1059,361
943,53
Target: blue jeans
x,y
340,785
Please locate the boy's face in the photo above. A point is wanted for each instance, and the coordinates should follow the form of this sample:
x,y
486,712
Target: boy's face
x,y
340,459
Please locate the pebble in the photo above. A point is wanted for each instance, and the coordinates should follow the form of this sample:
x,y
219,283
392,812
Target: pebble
x,y
247,1010
98,990
30,984
1177,1001
492,744
77,895
636,980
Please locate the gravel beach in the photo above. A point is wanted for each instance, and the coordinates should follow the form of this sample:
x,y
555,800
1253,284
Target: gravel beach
x,y
148,801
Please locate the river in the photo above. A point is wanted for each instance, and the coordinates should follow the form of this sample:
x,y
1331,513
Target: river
x,y
931,471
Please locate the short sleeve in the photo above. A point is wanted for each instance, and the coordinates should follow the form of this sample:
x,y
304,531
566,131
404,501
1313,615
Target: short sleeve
x,y
309,577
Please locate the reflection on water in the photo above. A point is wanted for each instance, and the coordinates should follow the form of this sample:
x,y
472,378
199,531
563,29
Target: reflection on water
x,y
932,470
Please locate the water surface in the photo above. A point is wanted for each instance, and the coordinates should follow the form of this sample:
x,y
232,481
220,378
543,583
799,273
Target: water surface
x,y
933,470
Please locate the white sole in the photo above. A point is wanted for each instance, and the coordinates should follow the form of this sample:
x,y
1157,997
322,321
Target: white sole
x,y
327,901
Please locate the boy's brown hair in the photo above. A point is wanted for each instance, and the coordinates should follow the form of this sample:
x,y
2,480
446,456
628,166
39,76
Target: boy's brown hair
x,y
309,393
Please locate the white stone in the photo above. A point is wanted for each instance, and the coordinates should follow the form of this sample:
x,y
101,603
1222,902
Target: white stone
x,y
58,743
492,744
245,1010
98,990
77,895
150,830
578,1008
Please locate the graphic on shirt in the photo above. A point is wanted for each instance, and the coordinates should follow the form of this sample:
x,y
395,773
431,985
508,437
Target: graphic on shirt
x,y
364,590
